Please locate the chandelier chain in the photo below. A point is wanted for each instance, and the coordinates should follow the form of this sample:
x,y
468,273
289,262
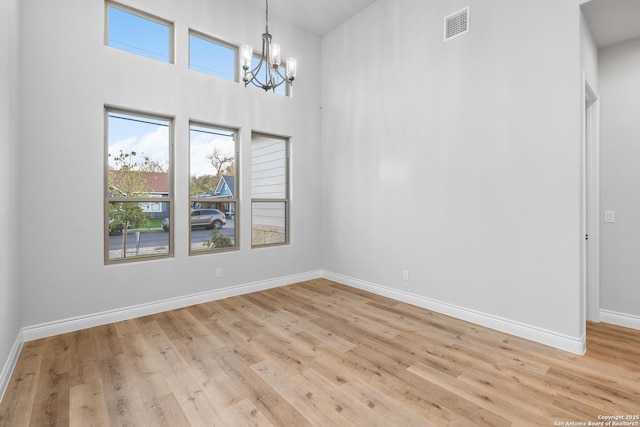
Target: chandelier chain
x,y
266,19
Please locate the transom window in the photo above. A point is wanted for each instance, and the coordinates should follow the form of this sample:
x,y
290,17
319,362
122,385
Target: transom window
x,y
138,32
212,57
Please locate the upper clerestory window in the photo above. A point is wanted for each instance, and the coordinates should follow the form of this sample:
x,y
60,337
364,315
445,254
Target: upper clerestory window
x,y
210,56
138,32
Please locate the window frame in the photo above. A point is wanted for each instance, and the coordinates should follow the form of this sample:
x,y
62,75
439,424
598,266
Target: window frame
x,y
145,15
235,200
219,42
286,200
137,199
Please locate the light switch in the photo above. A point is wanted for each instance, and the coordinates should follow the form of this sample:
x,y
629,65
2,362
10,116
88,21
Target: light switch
x,y
609,216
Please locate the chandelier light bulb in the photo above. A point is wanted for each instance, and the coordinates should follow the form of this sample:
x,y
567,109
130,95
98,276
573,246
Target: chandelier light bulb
x,y
292,68
274,54
246,54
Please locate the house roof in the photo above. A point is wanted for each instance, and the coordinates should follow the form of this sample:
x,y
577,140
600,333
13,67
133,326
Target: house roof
x,y
217,193
231,183
156,182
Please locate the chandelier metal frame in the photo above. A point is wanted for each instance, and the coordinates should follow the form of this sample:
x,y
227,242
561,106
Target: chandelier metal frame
x,y
266,74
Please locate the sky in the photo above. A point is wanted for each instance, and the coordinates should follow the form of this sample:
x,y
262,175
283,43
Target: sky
x,y
149,137
144,135
138,35
203,142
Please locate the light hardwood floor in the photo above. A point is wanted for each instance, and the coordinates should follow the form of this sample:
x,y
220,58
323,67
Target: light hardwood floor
x,y
316,353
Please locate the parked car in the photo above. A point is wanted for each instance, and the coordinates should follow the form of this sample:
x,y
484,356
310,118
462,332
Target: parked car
x,y
207,218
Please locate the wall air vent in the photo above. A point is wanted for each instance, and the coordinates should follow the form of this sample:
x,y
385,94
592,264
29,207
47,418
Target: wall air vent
x,y
456,24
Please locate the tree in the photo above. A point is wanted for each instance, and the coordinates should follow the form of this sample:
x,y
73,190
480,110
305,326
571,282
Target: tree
x,y
220,161
231,169
202,184
218,240
127,179
150,165
223,164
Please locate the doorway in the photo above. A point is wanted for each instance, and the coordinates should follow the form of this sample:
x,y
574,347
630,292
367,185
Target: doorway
x,y
591,204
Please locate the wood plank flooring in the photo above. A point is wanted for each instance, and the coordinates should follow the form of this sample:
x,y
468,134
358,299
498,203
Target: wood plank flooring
x,y
317,354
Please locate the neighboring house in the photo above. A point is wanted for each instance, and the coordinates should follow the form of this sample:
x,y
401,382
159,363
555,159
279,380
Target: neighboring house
x,y
226,189
268,190
156,184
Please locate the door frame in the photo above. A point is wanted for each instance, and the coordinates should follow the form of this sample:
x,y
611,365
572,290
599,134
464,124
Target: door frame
x,y
591,202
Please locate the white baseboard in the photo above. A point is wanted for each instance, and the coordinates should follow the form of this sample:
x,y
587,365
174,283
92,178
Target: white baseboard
x,y
29,333
620,319
543,336
48,329
10,364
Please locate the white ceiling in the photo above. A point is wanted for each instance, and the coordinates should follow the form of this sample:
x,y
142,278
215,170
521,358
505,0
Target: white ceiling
x,y
610,21
317,16
613,21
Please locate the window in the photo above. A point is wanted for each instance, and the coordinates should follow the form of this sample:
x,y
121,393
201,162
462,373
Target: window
x,y
138,186
212,57
269,190
139,33
212,189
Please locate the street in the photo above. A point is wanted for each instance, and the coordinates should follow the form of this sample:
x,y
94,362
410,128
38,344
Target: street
x,y
161,238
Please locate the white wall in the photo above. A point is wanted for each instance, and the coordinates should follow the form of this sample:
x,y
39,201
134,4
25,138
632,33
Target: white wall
x,y
589,52
458,161
69,75
619,68
10,299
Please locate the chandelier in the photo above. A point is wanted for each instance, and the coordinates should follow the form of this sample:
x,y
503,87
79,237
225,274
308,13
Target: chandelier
x,y
266,74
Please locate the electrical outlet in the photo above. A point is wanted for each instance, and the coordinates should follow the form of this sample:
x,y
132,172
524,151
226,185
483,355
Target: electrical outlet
x,y
218,272
405,274
609,216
